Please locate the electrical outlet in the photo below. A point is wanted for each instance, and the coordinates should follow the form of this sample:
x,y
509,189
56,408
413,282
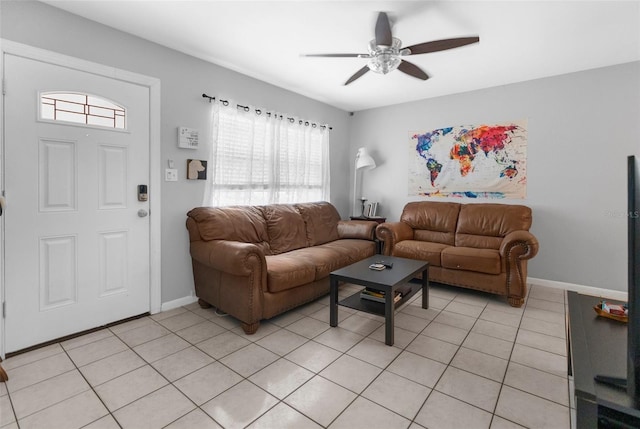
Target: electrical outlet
x,y
170,175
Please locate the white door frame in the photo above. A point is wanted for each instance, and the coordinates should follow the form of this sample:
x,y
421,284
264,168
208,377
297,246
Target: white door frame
x,y
155,181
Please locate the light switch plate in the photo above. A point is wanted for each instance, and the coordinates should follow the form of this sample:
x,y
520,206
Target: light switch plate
x,y
171,175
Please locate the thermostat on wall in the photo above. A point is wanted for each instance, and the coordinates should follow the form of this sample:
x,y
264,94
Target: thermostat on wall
x,y
187,138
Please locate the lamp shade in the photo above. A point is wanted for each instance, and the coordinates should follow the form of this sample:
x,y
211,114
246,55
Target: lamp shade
x,y
364,160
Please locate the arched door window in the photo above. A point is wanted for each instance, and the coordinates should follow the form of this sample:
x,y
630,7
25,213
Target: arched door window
x,y
84,109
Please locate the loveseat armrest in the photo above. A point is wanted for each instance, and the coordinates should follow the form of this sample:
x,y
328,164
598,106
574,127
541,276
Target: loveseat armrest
x,y
360,229
516,248
519,244
232,257
391,233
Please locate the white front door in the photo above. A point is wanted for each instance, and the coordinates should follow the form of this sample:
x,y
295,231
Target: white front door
x,y
76,235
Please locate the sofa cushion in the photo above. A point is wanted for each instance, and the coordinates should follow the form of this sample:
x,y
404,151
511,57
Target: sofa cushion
x,y
432,221
485,225
356,249
285,227
422,250
340,253
334,255
235,223
324,259
288,270
471,259
321,219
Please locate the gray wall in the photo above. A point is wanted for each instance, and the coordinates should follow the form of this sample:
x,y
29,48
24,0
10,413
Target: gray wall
x,y
183,80
581,127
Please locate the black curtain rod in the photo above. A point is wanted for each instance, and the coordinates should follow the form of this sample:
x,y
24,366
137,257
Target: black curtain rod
x,y
259,112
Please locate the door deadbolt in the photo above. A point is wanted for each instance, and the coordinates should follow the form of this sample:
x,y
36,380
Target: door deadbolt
x,y
142,193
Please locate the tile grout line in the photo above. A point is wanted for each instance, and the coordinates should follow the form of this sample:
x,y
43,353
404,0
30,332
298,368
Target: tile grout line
x,y
504,377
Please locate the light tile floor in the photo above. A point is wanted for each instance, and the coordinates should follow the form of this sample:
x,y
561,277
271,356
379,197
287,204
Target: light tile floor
x,y
470,361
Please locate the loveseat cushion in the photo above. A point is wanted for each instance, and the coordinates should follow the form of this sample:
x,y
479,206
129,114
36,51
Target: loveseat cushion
x,y
288,270
432,221
485,225
421,250
285,227
471,259
236,223
321,219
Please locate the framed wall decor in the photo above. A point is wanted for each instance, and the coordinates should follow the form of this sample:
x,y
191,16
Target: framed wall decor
x,y
196,169
473,161
188,138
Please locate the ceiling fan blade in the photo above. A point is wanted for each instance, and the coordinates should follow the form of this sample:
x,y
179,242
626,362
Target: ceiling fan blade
x,y
357,74
412,70
441,45
337,55
383,30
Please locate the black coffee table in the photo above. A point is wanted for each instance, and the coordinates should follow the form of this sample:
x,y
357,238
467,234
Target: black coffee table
x,y
387,281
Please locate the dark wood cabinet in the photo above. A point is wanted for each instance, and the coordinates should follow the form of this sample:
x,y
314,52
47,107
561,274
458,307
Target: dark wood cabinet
x,y
598,346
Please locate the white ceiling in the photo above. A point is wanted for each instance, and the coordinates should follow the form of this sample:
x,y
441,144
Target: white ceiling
x,y
519,40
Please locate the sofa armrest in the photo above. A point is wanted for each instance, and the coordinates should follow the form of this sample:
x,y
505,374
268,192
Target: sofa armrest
x,y
519,245
232,257
361,229
391,233
232,276
516,248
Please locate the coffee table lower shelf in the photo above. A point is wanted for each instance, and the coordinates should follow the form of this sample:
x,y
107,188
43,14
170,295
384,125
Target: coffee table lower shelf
x,y
374,307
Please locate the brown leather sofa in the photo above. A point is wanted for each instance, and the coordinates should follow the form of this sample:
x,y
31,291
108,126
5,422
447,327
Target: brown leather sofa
x,y
255,262
477,246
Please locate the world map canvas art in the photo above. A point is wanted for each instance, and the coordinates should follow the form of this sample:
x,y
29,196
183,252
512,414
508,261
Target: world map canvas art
x,y
476,161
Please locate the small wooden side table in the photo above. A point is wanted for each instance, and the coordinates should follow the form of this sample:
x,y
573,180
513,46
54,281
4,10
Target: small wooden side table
x,y
375,218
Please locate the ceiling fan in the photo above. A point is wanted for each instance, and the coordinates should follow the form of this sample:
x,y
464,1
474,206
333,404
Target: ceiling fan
x,y
385,52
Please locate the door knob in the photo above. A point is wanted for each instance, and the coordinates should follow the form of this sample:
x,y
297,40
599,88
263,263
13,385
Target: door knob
x,y
142,213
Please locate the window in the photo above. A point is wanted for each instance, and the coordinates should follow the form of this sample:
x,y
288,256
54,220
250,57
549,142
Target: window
x,y
262,159
81,109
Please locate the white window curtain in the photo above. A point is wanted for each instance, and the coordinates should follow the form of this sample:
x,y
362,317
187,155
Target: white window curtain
x,y
262,159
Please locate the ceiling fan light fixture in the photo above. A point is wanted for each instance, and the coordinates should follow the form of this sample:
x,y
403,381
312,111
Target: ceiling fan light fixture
x,y
385,52
384,59
383,64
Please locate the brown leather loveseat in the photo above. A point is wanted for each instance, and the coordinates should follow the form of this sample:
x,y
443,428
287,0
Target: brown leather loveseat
x,y
477,246
255,262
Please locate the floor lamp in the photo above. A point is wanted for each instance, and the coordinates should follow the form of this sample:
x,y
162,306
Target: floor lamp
x,y
363,162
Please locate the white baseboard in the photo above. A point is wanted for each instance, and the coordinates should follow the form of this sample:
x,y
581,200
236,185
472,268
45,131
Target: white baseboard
x,y
170,305
586,290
